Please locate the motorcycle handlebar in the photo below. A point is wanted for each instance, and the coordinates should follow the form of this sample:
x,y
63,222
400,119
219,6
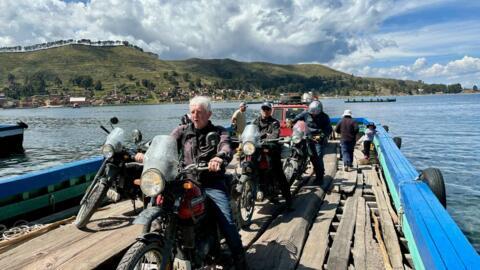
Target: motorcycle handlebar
x,y
104,129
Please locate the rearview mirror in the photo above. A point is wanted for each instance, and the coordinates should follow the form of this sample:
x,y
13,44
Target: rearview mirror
x,y
137,136
213,139
114,120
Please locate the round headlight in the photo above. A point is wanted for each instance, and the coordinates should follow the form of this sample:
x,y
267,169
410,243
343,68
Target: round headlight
x,y
107,151
296,139
248,148
152,183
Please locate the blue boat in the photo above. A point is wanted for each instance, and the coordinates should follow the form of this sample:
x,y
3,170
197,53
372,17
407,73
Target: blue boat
x,y
434,240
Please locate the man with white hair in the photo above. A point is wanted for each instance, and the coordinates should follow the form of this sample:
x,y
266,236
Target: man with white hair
x,y
194,149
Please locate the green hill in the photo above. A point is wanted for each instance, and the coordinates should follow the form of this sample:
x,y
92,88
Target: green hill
x,y
95,70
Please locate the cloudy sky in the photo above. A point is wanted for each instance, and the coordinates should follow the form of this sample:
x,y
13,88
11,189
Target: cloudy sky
x,y
430,40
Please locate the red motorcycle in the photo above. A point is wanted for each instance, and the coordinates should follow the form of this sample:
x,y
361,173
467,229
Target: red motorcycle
x,y
180,231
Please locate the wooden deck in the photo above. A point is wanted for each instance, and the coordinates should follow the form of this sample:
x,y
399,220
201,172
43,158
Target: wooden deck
x,y
345,222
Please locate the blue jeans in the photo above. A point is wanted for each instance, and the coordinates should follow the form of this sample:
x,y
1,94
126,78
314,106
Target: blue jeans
x,y
347,152
317,158
223,213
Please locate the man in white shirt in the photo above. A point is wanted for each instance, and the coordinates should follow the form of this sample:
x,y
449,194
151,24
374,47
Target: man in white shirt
x,y
239,119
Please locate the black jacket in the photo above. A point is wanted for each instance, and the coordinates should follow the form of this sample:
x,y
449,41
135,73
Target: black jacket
x,y
191,143
317,124
269,127
348,128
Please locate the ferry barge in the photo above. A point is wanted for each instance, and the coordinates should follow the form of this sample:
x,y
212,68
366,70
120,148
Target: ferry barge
x,y
331,226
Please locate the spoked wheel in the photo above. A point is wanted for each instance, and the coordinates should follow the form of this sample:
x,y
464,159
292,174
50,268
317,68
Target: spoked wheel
x,y
247,204
146,256
90,204
289,170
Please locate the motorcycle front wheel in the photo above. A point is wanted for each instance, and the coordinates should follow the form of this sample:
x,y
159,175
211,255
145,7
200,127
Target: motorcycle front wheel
x,y
90,204
246,204
146,256
289,167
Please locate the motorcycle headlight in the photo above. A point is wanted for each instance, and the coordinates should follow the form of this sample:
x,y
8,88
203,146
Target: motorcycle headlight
x,y
152,183
248,148
296,139
107,151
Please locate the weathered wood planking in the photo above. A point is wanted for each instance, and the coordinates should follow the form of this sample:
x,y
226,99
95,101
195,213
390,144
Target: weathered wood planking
x,y
70,248
285,237
340,250
349,181
316,246
374,260
360,243
388,229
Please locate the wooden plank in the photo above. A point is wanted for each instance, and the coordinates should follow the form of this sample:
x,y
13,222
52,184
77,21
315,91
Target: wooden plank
x,y
383,249
349,181
381,182
109,232
340,251
373,255
286,235
359,245
316,246
388,231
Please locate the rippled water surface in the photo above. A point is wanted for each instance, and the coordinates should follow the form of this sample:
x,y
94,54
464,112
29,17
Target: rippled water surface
x,y
436,131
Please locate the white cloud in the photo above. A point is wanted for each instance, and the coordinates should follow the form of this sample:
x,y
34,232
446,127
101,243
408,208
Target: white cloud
x,y
345,34
268,30
465,70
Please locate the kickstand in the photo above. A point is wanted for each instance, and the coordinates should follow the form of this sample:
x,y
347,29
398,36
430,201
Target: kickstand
x,y
134,207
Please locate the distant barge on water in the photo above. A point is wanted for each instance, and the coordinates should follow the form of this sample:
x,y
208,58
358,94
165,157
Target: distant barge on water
x,y
371,100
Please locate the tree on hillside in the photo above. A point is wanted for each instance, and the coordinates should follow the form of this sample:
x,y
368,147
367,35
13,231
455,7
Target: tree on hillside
x,y
98,85
10,78
198,82
186,77
454,88
57,81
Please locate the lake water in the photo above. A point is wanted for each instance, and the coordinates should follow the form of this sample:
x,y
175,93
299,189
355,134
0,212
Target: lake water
x,y
437,131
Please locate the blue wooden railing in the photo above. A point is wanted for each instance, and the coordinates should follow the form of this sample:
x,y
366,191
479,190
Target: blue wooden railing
x,y
434,239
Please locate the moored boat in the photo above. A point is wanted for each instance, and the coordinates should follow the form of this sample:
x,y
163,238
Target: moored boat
x,y
11,138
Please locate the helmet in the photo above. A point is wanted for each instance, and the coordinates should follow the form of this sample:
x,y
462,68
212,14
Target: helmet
x,y
315,107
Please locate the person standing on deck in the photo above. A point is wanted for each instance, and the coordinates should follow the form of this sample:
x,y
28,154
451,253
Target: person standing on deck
x,y
368,138
348,129
239,119
319,127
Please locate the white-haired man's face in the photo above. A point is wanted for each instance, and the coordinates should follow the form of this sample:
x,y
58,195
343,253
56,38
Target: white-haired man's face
x,y
200,116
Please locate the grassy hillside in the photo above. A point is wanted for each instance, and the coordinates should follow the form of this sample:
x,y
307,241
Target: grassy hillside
x,y
54,70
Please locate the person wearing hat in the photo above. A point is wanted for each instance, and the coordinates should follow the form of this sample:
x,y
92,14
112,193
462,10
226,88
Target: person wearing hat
x,y
348,129
319,127
239,119
368,138
269,128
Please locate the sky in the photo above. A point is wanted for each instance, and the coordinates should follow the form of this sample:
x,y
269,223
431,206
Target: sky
x,y
436,41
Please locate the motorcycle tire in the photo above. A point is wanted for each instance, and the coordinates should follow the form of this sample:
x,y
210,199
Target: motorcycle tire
x,y
289,170
145,253
245,204
90,204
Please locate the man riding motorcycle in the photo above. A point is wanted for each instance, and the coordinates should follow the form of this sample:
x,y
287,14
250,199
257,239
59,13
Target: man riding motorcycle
x,y
320,129
269,128
193,147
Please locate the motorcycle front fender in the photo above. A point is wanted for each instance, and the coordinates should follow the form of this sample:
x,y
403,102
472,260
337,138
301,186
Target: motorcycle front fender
x,y
148,215
151,237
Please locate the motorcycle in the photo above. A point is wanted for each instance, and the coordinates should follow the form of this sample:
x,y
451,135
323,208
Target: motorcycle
x,y
178,225
255,181
115,178
295,164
